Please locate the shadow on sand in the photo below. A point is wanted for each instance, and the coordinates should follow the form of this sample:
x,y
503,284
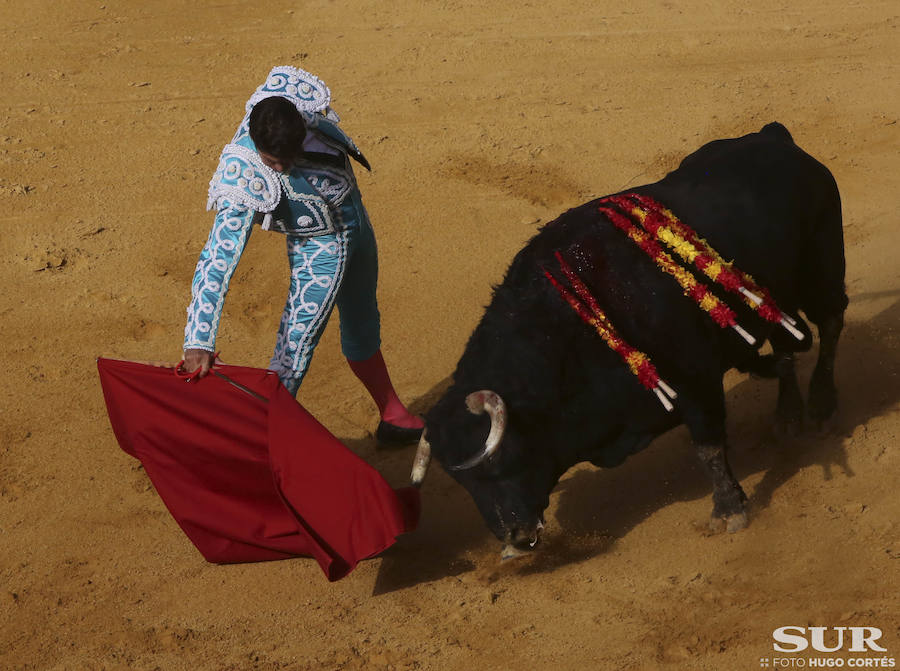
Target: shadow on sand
x,y
595,507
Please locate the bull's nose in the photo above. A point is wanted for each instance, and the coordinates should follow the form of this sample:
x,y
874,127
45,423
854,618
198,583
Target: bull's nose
x,y
521,542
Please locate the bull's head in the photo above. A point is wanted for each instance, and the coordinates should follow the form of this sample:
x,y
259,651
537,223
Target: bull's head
x,y
498,471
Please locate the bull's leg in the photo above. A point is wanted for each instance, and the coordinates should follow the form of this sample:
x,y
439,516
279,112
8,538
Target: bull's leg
x,y
728,497
789,409
706,422
780,364
824,300
822,390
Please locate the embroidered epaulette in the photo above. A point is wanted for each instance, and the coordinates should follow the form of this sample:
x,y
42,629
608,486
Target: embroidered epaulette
x,y
303,88
243,179
309,94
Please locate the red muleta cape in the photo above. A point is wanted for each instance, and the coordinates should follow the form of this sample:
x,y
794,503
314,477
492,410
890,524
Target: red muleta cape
x,y
249,480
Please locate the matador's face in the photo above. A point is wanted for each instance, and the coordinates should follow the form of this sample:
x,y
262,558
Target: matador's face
x,y
278,164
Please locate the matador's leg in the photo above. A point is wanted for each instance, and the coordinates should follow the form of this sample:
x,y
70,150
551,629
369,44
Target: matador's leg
x,y
317,269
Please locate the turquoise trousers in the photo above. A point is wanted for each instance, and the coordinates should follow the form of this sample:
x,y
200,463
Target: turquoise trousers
x,y
327,270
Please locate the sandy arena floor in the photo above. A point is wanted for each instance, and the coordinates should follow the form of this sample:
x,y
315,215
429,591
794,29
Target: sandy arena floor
x,y
482,121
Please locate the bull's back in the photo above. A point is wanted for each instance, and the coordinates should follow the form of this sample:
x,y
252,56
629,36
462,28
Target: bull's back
x,y
759,200
768,205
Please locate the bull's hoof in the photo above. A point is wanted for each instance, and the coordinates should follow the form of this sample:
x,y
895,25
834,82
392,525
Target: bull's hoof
x,y
716,524
729,523
736,522
511,551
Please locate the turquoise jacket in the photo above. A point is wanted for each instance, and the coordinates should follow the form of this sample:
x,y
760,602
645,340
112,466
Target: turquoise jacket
x,y
243,191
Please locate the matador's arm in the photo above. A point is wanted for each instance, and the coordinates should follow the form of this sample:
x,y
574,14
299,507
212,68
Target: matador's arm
x,y
218,260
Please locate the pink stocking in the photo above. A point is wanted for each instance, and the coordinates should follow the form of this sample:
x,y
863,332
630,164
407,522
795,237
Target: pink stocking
x,y
373,373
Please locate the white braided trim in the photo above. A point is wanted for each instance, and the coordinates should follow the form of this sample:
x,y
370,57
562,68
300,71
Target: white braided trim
x,y
242,178
304,89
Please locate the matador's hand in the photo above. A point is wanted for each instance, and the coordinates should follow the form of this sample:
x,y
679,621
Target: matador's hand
x,y
201,359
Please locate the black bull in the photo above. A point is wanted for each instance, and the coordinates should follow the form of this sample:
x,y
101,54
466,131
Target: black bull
x,y
556,395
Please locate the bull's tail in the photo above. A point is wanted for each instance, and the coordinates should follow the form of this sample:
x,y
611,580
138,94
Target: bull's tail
x,y
776,130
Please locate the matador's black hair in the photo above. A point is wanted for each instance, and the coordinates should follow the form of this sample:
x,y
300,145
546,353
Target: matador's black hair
x,y
276,127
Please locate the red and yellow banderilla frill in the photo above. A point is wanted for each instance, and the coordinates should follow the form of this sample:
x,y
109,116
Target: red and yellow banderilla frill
x,y
707,301
586,306
662,223
659,223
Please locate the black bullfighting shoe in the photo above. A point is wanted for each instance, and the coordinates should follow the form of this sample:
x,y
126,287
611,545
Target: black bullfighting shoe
x,y
391,435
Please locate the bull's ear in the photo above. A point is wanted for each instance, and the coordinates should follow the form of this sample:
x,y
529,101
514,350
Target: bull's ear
x,y
490,402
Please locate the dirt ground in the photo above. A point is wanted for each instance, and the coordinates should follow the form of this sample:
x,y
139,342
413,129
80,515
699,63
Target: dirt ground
x,y
482,121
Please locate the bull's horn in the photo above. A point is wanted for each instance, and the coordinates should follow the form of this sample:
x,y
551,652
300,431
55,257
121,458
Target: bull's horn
x,y
490,402
420,463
